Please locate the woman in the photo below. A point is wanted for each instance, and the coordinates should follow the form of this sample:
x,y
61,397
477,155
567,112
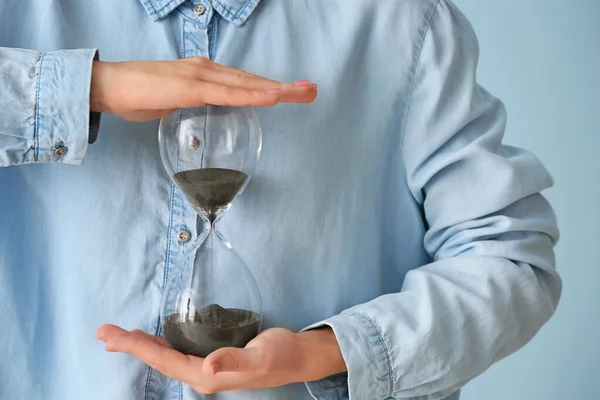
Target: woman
x,y
400,248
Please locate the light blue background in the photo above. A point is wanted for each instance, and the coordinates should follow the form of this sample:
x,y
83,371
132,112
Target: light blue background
x,y
542,58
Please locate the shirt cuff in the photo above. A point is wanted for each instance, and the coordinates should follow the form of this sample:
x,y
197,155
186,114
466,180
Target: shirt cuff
x,y
366,355
62,115
94,116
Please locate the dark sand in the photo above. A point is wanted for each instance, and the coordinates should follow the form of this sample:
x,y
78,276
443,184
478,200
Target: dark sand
x,y
213,327
210,190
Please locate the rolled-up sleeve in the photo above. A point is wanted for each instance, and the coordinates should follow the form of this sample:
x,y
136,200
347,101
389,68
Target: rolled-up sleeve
x,y
45,106
492,282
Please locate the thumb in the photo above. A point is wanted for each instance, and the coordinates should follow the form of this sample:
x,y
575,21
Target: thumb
x,y
231,359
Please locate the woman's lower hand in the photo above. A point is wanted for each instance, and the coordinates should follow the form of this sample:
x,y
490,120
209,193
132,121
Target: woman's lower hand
x,y
275,357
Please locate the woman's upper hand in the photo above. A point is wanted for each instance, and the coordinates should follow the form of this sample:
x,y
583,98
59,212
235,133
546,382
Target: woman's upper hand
x,y
146,90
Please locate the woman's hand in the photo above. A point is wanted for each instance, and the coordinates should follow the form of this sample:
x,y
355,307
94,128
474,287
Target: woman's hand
x,y
274,358
145,90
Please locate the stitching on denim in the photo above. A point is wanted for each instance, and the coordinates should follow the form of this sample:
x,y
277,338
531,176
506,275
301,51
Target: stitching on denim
x,y
414,71
151,4
168,258
186,18
166,268
36,128
227,10
183,39
167,262
386,349
165,6
180,200
243,9
236,16
174,195
212,38
150,369
204,135
148,379
224,8
158,12
147,388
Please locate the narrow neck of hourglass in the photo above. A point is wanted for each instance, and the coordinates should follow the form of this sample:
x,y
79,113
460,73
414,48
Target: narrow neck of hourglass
x,y
208,223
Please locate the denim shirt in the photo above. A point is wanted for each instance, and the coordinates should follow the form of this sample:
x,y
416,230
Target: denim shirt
x,y
388,209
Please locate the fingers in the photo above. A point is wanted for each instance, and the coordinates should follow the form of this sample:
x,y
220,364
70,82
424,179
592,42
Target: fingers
x,y
170,362
302,91
208,63
230,359
212,93
234,77
106,331
155,339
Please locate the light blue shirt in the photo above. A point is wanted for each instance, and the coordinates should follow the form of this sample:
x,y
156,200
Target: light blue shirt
x,y
388,209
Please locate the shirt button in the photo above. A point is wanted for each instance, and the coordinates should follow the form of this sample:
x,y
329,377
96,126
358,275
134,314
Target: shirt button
x,y
199,9
60,151
184,236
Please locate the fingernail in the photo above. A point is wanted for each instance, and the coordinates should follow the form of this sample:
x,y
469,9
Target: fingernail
x,y
312,87
274,91
109,348
100,336
303,82
214,368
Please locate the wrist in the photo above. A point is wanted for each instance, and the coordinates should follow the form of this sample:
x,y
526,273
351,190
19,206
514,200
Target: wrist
x,y
98,98
321,354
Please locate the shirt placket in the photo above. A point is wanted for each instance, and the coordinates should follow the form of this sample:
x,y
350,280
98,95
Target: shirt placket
x,y
196,30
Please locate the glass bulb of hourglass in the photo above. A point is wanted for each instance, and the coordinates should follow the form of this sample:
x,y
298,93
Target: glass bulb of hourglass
x,y
211,299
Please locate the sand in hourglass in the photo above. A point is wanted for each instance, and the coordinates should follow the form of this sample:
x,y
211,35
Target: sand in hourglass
x,y
212,327
211,191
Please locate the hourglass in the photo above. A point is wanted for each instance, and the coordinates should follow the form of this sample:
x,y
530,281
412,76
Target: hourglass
x,y
211,299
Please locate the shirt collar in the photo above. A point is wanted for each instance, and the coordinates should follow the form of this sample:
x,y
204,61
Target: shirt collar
x,y
234,11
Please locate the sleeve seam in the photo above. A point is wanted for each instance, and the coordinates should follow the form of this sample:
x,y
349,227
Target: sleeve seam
x,y
386,351
414,72
36,128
